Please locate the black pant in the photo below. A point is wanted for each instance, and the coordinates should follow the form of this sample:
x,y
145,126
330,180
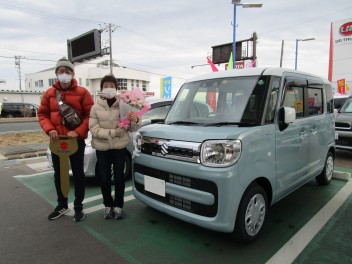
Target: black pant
x,y
116,157
76,161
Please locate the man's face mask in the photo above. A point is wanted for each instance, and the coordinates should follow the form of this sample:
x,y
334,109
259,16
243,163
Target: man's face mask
x,y
64,78
109,93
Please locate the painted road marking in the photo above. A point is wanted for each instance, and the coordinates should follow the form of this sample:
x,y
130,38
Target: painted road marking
x,y
290,251
101,206
97,207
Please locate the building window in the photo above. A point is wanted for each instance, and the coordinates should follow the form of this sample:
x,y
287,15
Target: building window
x,y
79,81
144,86
87,82
40,83
122,84
52,81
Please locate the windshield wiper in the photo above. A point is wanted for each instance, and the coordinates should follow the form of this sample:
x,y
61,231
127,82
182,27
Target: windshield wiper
x,y
183,123
230,124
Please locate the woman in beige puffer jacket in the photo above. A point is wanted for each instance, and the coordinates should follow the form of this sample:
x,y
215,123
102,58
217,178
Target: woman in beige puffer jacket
x,y
110,143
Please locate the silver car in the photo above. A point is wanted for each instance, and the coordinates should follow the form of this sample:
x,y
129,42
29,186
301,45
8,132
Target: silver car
x,y
343,126
157,113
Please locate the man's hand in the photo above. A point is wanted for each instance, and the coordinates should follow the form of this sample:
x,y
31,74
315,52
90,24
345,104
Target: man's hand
x,y
72,134
53,135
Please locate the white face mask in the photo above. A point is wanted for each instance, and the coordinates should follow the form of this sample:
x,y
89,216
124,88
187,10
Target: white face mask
x,y
64,78
109,93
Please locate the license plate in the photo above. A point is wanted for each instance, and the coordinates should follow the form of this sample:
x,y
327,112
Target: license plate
x,y
154,185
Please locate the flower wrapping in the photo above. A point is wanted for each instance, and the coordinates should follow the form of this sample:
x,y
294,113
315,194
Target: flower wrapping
x,y
132,101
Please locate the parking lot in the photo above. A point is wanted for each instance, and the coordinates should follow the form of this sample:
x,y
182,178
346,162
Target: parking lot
x,y
309,226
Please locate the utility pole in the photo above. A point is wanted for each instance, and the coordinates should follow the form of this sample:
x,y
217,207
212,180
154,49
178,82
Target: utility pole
x,y
110,28
18,65
111,69
282,53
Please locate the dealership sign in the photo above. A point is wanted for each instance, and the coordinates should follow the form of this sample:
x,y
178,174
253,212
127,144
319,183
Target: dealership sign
x,y
346,29
340,61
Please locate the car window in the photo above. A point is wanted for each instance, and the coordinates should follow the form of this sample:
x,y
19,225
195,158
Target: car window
x,y
347,106
338,102
157,113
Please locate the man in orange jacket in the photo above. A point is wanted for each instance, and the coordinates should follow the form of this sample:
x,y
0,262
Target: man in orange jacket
x,y
51,122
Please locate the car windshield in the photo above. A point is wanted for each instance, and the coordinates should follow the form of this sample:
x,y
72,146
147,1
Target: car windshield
x,y
219,102
347,106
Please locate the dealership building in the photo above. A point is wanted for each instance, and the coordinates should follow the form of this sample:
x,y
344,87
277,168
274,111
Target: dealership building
x,y
87,74
340,57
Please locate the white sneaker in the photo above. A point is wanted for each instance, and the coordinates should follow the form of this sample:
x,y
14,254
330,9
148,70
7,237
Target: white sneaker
x,y
108,213
118,212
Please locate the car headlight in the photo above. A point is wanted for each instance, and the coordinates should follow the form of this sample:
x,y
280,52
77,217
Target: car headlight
x,y
220,153
137,142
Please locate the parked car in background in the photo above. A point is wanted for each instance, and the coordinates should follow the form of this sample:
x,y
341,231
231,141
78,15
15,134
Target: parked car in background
x,y
343,126
339,99
157,114
11,109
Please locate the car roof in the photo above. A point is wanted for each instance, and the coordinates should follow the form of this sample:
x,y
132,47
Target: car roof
x,y
338,95
254,71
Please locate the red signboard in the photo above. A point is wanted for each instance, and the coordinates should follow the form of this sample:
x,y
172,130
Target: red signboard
x,y
341,86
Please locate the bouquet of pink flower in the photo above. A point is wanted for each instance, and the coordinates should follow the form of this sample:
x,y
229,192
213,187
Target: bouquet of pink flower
x,y
132,101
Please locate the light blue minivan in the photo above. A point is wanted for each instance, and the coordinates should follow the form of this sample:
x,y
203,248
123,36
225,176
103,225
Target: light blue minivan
x,y
233,143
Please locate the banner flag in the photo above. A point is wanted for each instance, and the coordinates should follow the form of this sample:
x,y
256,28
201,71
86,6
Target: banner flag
x,y
213,67
230,64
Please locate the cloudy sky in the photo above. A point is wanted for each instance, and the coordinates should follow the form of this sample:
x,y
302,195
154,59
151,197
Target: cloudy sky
x,y
166,37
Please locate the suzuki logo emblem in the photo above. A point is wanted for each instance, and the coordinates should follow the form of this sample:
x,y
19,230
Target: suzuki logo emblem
x,y
164,148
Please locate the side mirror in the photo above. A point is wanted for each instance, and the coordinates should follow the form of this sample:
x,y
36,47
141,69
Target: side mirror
x,y
286,116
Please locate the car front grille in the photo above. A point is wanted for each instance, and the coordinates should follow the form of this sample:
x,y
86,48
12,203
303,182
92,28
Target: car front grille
x,y
344,141
171,149
342,125
179,202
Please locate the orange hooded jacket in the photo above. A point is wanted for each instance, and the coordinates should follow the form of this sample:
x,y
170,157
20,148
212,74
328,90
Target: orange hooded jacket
x,y
76,96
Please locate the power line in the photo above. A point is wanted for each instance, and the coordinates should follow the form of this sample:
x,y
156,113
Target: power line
x,y
51,15
305,22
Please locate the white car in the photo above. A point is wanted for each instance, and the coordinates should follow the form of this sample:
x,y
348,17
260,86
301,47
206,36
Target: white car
x,y
157,113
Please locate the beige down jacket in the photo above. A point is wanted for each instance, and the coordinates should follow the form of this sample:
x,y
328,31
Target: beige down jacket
x,y
103,121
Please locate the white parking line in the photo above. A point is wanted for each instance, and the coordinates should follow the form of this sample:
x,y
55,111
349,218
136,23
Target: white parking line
x,y
289,252
100,206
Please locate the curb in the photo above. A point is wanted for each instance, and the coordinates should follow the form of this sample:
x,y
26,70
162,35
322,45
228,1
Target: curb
x,y
26,155
341,176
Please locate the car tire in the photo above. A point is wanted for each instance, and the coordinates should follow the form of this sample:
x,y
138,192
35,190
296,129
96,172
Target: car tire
x,y
251,214
324,178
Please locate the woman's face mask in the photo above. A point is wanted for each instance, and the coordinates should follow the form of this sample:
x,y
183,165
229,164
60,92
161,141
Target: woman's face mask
x,y
109,93
64,78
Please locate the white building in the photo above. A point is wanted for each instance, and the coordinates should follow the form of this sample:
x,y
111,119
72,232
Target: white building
x,y
89,75
340,60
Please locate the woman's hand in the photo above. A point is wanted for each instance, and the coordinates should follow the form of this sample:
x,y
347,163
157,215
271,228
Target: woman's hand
x,y
132,116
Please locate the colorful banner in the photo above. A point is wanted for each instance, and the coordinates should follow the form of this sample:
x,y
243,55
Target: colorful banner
x,y
230,64
213,67
341,86
165,87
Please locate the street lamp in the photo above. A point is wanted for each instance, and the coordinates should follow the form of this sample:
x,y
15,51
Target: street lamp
x,y
244,5
308,39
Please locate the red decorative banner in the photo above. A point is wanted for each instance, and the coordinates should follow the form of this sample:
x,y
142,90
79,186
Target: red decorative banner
x,y
341,86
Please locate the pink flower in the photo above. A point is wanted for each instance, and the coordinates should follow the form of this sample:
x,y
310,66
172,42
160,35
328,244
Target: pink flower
x,y
132,101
